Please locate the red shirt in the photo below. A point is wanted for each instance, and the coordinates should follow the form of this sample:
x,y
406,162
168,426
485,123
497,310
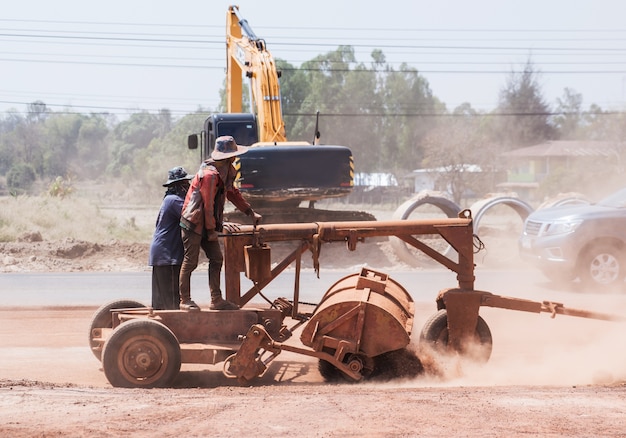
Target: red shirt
x,y
204,204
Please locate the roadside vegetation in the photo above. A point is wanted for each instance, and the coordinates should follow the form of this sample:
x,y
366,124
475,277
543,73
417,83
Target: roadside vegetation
x,y
91,216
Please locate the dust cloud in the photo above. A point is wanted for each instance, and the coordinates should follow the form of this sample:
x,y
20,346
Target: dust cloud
x,y
534,349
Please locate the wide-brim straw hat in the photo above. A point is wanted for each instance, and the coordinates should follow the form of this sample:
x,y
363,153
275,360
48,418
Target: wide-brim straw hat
x,y
226,147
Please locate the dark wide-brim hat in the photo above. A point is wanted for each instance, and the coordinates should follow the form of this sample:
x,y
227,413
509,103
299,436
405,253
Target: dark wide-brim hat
x,y
176,174
226,147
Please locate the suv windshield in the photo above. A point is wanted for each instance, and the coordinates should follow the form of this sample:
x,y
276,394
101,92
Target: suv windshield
x,y
616,200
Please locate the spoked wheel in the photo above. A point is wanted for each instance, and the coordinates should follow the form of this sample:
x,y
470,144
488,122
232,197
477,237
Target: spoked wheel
x,y
102,319
435,334
358,363
141,353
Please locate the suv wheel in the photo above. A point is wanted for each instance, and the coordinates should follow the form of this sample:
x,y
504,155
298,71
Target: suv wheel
x,y
602,266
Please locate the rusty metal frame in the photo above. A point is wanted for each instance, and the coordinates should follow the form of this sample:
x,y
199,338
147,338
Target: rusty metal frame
x,y
462,303
249,361
456,231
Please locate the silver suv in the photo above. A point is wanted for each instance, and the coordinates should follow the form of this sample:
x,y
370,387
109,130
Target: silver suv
x,y
580,241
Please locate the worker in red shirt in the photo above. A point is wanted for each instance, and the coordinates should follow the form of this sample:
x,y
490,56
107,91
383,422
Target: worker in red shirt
x,y
202,220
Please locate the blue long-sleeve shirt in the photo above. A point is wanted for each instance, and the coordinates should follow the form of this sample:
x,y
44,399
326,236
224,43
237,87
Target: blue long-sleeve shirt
x,y
166,248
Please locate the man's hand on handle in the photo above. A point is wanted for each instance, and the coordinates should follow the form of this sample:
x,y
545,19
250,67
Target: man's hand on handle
x,y
256,218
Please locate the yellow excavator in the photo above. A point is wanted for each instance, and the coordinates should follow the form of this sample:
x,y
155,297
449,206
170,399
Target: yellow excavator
x,y
276,176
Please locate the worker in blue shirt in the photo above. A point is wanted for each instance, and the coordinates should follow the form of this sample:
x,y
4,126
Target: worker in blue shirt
x,y
166,249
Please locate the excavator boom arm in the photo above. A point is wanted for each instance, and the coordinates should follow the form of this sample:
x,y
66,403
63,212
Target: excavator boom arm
x,y
246,53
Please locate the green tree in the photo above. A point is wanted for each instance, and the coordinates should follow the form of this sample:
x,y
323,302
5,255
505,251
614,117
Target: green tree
x,y
409,106
456,146
524,114
131,136
294,88
29,135
373,110
59,143
169,151
92,147
21,177
326,75
8,153
569,114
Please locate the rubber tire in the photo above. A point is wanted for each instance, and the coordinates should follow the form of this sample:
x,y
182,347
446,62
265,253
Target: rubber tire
x,y
435,334
141,353
599,261
102,319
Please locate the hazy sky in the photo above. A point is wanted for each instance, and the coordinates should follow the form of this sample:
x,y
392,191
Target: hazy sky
x,y
118,55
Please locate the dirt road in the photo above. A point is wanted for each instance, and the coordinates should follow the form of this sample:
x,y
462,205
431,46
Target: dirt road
x,y
564,377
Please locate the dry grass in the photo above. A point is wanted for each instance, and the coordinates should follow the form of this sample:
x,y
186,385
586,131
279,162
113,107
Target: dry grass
x,y
89,215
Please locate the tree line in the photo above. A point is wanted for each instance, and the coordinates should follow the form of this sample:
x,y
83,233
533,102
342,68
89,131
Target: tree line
x,y
390,118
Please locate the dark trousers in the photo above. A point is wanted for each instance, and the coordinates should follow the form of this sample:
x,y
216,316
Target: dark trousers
x,y
165,294
192,243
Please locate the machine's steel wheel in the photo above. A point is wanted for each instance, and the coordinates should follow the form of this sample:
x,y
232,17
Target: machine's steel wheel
x,y
328,371
602,266
102,319
141,353
407,253
397,364
356,362
435,334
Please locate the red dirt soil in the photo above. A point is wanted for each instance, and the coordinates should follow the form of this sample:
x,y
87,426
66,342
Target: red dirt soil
x,y
547,381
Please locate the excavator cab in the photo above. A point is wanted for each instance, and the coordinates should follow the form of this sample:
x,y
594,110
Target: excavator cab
x,y
241,126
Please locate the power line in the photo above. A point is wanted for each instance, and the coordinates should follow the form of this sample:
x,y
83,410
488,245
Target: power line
x,y
109,109
65,32
109,38
333,70
76,55
113,64
454,115
130,35
99,109
316,44
323,28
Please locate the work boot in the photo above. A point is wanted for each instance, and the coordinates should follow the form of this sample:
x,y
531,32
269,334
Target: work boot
x,y
219,303
188,305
